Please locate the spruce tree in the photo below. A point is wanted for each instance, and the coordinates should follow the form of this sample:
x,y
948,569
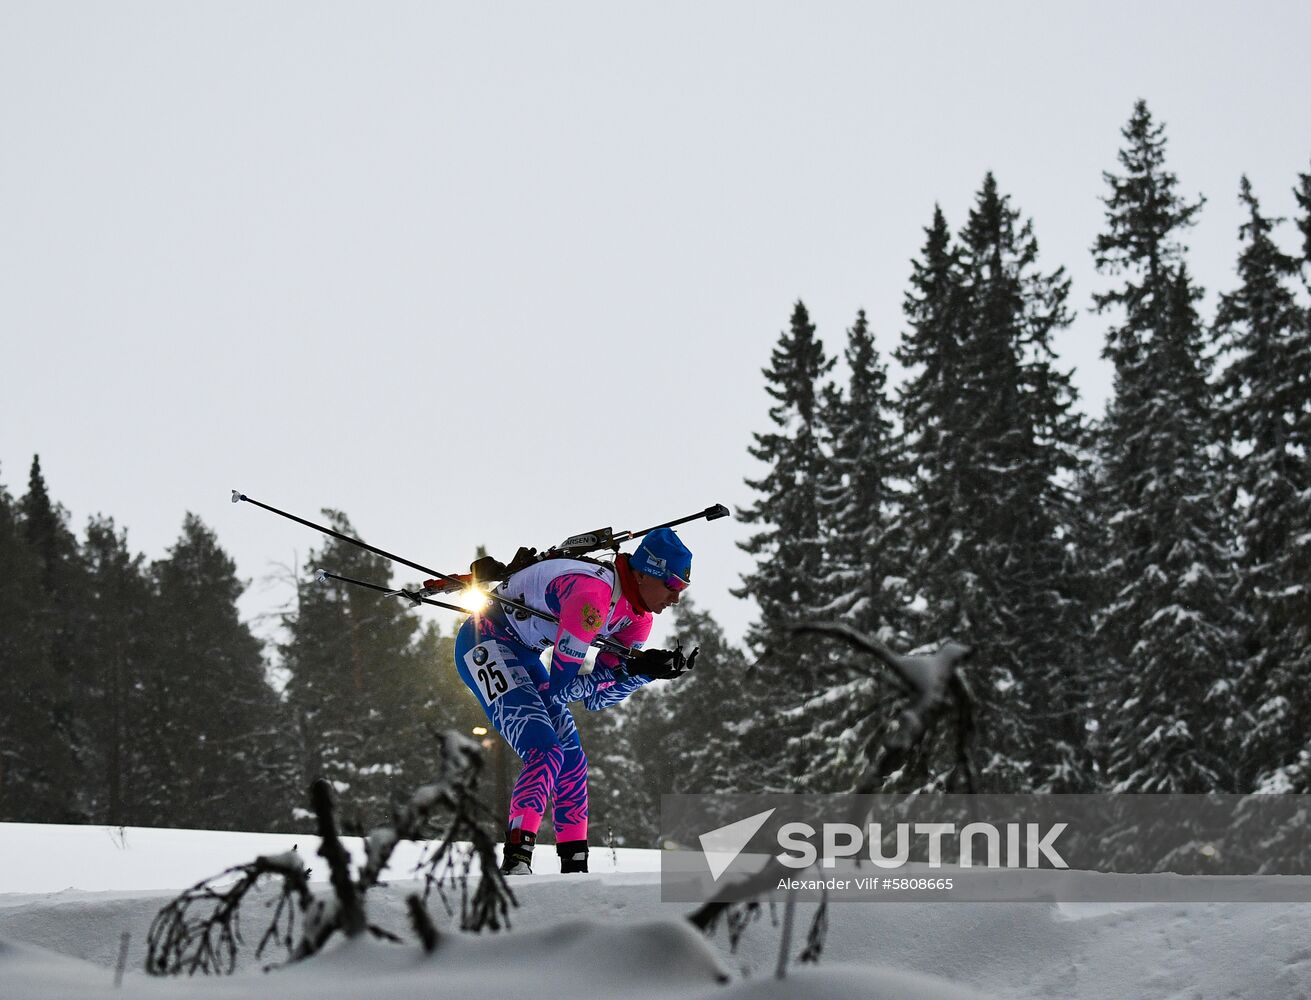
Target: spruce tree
x,y
787,581
789,546
213,716
1303,195
1267,419
856,494
864,564
1167,637
359,684
117,662
935,429
1023,453
24,784
992,445
51,740
706,752
934,424
446,702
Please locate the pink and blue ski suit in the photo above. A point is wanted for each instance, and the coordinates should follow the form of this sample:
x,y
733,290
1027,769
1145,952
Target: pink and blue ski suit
x,y
498,655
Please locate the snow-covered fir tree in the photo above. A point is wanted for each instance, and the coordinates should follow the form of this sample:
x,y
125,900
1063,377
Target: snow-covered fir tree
x,y
1267,420
210,706
1303,195
856,492
115,665
1024,452
991,442
447,702
929,350
788,547
704,736
863,580
934,429
1167,635
358,685
23,779
46,753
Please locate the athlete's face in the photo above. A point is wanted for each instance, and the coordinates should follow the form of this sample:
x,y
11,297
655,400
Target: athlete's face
x,y
655,594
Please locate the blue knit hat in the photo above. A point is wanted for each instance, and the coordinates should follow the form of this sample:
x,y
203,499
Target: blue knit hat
x,y
663,555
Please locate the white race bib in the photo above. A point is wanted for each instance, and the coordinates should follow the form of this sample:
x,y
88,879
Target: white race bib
x,y
492,677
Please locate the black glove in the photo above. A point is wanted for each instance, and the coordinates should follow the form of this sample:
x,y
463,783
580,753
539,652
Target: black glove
x,y
662,664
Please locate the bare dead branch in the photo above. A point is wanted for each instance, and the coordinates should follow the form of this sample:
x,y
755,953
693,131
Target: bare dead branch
x,y
421,922
350,910
817,936
200,931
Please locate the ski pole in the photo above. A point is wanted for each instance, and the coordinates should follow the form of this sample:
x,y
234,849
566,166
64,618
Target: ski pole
x,y
415,599
237,497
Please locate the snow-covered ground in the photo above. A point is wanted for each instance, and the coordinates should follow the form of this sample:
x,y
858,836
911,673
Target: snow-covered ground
x,y
69,894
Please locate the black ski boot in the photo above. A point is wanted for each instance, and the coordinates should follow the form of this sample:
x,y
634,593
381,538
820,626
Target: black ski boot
x,y
518,857
573,856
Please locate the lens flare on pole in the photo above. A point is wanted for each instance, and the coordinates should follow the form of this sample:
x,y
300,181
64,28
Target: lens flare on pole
x,y
473,599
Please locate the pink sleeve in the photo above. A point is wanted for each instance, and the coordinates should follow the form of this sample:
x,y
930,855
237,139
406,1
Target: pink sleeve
x,y
582,604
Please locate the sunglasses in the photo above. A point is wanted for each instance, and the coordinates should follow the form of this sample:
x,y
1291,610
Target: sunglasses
x,y
675,583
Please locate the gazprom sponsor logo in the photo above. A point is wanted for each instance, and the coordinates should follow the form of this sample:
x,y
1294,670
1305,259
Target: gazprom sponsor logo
x,y
572,647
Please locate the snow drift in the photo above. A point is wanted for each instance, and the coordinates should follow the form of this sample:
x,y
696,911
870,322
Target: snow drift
x,y
608,935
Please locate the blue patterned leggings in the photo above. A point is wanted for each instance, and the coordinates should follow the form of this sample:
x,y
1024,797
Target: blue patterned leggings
x,y
510,683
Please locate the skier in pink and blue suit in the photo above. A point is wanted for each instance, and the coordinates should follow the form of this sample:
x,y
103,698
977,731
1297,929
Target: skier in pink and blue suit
x,y
498,655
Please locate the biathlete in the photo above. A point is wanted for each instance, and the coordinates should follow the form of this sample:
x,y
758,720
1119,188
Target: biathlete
x,y
498,654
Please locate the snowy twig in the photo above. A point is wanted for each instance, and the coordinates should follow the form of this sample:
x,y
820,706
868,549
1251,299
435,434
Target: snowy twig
x,y
350,908
785,939
182,941
926,677
817,935
421,922
489,906
736,916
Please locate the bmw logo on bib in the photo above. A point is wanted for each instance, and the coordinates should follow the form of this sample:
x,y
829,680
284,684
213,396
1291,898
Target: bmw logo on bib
x,y
479,655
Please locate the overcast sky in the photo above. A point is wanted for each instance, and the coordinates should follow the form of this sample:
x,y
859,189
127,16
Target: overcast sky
x,y
498,274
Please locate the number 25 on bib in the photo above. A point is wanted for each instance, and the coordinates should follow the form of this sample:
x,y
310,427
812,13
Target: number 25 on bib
x,y
493,678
